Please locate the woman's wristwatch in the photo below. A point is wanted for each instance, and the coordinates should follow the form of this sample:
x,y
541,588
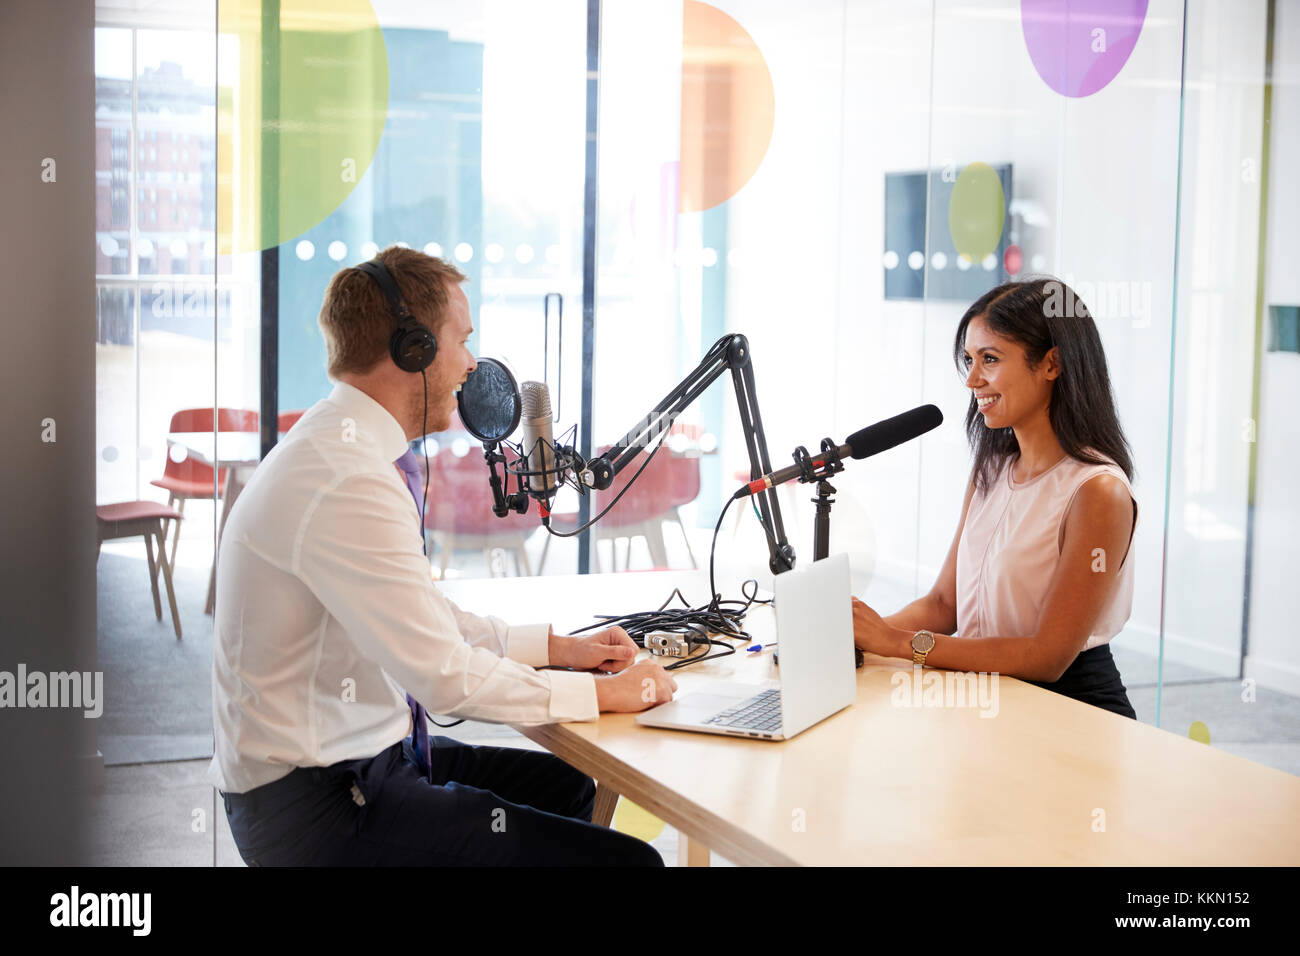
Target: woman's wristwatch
x,y
922,644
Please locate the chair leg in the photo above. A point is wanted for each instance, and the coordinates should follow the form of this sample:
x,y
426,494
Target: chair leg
x,y
445,550
167,579
153,571
179,505
687,538
653,530
210,605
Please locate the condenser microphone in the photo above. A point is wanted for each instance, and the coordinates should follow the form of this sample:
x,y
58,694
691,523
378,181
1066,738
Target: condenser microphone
x,y
863,443
540,477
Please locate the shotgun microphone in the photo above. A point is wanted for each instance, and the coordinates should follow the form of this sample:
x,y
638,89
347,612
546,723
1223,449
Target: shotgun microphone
x,y
864,443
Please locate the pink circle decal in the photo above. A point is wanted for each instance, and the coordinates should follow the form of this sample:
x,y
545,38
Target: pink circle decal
x,y
1079,46
1013,259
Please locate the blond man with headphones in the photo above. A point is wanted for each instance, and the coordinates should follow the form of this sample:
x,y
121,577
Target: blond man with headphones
x,y
331,639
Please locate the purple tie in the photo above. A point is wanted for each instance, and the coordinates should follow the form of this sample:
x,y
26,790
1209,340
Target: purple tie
x,y
411,471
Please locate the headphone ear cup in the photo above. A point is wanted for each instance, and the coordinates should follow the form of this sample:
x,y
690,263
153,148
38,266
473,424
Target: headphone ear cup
x,y
412,346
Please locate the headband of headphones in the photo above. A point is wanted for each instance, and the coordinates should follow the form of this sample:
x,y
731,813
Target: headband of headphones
x,y
412,345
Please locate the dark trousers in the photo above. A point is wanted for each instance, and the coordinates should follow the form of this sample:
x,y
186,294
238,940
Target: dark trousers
x,y
1094,679
488,806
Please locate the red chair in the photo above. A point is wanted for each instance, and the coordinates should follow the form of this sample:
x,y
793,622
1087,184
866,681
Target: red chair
x,y
685,484
148,519
288,419
639,513
459,511
183,480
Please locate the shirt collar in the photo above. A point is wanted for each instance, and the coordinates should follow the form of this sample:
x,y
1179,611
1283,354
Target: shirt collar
x,y
373,421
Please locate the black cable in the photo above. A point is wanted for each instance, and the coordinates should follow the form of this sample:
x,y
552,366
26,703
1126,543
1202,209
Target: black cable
x,y
766,530
754,598
621,493
722,617
714,596
719,616
424,447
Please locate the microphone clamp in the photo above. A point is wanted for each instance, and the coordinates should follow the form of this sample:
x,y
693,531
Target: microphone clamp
x,y
823,466
502,503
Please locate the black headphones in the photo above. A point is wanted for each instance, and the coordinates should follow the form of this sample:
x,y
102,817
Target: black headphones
x,y
412,345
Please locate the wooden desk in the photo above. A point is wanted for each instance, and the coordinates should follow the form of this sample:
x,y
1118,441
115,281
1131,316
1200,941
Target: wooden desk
x,y
1047,780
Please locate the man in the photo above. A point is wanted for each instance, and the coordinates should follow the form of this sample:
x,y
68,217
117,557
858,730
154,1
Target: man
x,y
327,618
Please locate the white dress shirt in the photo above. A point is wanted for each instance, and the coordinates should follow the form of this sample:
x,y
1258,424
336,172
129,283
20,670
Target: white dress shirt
x,y
326,613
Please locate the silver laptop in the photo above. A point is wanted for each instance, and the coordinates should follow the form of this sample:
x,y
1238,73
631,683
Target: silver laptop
x,y
814,627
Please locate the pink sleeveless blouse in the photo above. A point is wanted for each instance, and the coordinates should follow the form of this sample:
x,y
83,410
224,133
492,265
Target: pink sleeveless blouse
x,y
1011,545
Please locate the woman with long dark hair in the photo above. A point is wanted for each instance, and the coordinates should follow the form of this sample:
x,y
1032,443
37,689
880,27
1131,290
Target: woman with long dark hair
x,y
1039,576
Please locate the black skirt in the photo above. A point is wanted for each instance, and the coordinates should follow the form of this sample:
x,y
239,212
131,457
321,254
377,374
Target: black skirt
x,y
1094,679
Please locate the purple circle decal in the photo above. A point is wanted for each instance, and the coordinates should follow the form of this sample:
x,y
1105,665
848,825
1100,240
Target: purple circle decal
x,y
1079,46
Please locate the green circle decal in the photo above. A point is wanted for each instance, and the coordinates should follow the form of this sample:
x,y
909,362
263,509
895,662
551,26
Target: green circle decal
x,y
1199,732
302,103
976,211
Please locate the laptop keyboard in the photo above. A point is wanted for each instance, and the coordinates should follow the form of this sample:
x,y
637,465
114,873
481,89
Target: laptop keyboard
x,y
760,712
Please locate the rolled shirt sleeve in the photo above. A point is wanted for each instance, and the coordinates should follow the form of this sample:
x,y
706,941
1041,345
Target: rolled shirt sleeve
x,y
354,552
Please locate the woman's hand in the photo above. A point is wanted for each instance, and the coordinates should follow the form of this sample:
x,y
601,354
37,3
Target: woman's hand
x,y
872,634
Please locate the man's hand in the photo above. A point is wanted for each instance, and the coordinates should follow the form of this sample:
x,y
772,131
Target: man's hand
x,y
610,650
640,687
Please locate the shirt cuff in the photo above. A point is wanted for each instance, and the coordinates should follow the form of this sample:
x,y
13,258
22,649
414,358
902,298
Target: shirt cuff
x,y
573,696
529,644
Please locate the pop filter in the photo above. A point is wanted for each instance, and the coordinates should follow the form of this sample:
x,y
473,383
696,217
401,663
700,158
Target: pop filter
x,y
489,402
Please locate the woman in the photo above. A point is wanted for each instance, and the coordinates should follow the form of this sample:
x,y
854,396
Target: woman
x,y
1039,577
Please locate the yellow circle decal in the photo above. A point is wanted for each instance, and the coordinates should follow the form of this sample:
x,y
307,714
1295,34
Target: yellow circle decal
x,y
301,105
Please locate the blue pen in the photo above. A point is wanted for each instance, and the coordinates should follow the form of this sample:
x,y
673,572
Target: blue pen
x,y
758,647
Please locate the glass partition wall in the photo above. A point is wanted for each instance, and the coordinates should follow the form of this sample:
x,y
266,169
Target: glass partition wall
x,y
838,183
165,330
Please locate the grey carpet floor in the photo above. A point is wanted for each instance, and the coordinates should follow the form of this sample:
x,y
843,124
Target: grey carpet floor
x,y
157,690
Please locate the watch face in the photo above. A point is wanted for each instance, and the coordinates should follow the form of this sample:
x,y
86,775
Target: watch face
x,y
923,641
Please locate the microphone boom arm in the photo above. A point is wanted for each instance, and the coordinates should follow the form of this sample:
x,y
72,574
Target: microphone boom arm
x,y
729,353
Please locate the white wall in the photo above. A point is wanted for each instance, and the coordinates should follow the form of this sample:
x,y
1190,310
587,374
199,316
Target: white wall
x,y
1274,653
1217,269
863,89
